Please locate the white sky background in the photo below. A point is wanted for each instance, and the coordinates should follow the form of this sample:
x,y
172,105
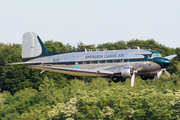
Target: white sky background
x,y
91,21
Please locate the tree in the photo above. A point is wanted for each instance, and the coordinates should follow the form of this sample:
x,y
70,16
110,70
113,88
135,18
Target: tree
x,y
113,46
57,46
178,53
81,47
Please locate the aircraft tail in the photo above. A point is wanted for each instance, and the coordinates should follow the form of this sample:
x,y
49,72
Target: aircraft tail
x,y
32,46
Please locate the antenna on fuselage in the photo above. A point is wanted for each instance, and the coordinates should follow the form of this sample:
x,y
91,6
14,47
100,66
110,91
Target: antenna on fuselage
x,y
137,47
90,50
128,47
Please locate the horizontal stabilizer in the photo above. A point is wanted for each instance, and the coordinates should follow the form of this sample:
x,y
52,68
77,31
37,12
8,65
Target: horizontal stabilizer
x,y
170,57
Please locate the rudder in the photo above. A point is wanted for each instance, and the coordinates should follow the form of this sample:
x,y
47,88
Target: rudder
x,y
32,46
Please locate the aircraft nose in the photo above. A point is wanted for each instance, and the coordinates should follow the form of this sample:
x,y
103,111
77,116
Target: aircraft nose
x,y
165,62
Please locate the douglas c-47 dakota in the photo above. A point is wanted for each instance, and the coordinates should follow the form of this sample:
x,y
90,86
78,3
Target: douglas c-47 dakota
x,y
115,64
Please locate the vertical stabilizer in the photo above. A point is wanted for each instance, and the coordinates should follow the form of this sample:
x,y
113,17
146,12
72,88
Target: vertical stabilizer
x,y
32,46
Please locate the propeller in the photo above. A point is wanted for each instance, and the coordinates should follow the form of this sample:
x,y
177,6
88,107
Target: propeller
x,y
133,78
167,73
160,72
41,73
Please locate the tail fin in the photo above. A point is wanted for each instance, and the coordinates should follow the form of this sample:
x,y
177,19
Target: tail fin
x,y
32,46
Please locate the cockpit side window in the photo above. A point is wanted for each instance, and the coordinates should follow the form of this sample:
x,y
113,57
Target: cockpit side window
x,y
150,56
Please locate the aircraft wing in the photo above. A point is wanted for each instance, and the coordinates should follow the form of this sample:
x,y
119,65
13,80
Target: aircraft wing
x,y
74,71
24,63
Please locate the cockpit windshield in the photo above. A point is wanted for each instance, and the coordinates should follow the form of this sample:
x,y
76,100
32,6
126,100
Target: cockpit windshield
x,y
155,55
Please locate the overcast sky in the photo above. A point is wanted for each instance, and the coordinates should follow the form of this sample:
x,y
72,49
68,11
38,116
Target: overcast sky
x,y
91,21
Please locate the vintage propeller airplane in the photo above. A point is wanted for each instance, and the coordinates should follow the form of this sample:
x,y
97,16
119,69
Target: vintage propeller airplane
x,y
116,64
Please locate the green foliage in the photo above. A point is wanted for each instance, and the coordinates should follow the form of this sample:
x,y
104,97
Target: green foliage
x,y
96,100
17,77
81,47
49,92
178,67
113,46
17,104
178,53
57,46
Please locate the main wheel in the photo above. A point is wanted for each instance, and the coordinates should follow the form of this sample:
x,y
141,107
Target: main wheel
x,y
115,79
151,77
123,80
143,77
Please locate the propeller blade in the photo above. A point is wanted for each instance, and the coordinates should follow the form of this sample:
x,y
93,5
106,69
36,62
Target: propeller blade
x,y
159,74
166,73
132,80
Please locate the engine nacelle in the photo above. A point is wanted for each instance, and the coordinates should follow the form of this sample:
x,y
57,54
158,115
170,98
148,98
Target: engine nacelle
x,y
127,72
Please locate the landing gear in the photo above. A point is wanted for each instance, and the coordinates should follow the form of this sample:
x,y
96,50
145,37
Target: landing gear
x,y
151,77
123,80
117,79
143,77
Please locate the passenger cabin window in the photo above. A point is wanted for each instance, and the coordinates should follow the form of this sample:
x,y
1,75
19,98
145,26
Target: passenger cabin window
x,y
117,61
86,62
102,61
94,62
109,61
80,62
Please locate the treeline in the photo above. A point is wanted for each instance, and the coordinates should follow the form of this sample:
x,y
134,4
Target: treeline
x,y
26,95
97,99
